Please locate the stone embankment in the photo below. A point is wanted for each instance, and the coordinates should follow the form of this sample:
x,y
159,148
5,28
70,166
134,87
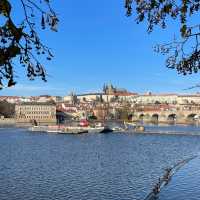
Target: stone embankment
x,y
7,122
10,122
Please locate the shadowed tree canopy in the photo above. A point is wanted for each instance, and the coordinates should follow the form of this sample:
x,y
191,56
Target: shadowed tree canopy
x,y
7,109
183,54
20,43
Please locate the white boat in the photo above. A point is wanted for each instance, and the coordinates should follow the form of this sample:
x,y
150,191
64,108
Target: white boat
x,y
74,130
95,129
38,128
68,129
130,124
53,131
118,129
134,127
83,129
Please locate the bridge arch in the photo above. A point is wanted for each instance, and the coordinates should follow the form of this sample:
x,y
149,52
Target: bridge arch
x,y
141,117
171,118
157,102
155,118
192,117
130,116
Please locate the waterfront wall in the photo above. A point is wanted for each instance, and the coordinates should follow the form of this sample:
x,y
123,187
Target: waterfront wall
x,y
13,122
7,122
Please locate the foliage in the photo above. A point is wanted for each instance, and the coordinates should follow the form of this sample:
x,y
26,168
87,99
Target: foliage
x,y
22,42
7,109
122,113
92,117
156,12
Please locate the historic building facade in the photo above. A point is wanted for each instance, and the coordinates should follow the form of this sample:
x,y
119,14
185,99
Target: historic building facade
x,y
36,112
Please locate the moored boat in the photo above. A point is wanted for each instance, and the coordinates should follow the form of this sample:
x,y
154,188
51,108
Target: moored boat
x,y
118,129
95,129
38,128
139,128
54,131
70,129
134,127
106,130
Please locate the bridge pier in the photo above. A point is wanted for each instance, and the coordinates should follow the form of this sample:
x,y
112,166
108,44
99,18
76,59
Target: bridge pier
x,y
162,119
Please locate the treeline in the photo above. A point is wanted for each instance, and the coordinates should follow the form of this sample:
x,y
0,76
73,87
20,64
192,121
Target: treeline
x,y
7,109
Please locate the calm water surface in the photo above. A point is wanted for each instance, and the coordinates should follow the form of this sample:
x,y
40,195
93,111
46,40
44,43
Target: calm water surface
x,y
87,167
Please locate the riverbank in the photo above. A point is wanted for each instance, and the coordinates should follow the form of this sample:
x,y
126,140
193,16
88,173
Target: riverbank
x,y
184,184
167,177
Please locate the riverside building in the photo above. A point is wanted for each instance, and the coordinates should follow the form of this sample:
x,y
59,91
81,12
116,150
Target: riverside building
x,y
36,113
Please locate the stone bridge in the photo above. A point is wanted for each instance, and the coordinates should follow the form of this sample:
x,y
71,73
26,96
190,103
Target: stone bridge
x,y
186,116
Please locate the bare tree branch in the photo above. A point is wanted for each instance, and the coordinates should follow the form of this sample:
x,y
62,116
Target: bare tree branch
x,y
183,55
23,42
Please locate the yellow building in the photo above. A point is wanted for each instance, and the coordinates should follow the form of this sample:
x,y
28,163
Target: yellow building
x,y
36,112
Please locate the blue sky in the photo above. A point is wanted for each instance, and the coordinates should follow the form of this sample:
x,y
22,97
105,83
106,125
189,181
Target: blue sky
x,y
96,44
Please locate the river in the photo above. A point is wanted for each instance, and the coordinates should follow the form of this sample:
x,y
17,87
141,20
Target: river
x,y
115,166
